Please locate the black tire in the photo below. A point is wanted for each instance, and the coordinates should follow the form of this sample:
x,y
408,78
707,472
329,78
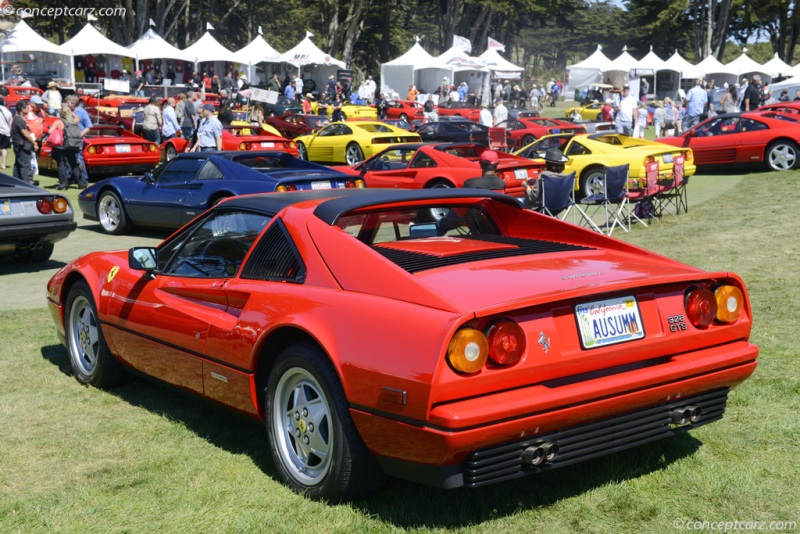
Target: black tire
x,y
170,152
439,183
782,155
404,117
528,139
301,150
89,356
592,181
313,440
111,213
353,154
34,255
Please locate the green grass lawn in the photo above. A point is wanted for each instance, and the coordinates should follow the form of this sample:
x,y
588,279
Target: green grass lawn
x,y
144,458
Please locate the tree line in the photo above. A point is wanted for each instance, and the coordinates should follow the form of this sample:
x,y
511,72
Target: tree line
x,y
542,35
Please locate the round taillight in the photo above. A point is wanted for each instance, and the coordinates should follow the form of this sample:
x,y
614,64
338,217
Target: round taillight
x,y
92,149
701,307
280,189
99,150
360,184
468,351
242,146
506,342
44,205
60,205
730,303
292,145
153,148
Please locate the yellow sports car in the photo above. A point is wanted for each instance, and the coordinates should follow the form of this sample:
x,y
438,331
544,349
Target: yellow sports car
x,y
589,154
242,118
350,111
589,112
350,142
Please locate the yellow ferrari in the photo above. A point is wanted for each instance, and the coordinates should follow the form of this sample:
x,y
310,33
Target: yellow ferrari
x,y
350,111
589,154
589,112
350,142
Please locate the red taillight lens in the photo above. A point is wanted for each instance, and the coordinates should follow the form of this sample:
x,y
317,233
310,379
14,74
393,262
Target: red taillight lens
x,y
60,205
701,307
44,205
506,342
730,303
286,187
649,160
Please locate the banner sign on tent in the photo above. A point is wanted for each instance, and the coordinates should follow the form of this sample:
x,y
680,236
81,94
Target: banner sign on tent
x,y
116,86
344,75
506,75
263,95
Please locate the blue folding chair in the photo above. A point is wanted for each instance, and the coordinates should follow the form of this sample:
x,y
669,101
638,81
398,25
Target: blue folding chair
x,y
612,203
558,194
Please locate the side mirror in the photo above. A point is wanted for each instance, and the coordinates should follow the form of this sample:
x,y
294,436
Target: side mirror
x,y
143,258
149,178
363,169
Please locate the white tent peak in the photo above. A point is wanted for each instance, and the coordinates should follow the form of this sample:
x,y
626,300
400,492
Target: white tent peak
x,y
209,49
744,64
597,60
624,62
91,41
677,63
777,67
497,62
151,45
23,38
259,50
307,53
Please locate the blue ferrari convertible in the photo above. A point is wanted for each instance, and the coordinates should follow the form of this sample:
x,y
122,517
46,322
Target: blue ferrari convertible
x,y
182,188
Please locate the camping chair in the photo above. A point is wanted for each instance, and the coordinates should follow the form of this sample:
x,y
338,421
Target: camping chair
x,y
497,139
643,202
673,197
558,194
612,203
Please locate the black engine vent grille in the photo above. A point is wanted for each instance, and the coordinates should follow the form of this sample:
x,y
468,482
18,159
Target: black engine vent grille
x,y
414,262
275,258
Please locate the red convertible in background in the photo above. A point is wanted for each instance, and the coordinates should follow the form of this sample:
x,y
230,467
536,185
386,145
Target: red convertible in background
x,y
524,131
447,336
236,138
112,100
754,138
110,150
419,166
291,126
404,109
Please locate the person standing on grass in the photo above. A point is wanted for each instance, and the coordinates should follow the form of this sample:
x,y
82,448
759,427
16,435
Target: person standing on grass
x,y
86,124
171,125
5,130
152,121
696,100
24,144
627,114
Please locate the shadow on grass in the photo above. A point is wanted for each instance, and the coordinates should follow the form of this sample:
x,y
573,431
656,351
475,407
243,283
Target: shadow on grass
x,y
401,503
9,266
136,232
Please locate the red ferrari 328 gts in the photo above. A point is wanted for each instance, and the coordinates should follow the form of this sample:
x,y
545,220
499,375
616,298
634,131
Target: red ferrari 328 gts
x,y
446,336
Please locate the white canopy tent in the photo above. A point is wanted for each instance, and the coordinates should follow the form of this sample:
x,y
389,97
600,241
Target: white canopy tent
x,y
314,61
90,41
777,68
153,46
416,67
255,52
745,66
792,85
22,40
661,75
466,68
586,72
501,67
688,71
616,72
712,69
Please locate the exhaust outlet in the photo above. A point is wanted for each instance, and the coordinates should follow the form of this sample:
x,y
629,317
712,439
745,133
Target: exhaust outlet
x,y
695,412
680,416
536,455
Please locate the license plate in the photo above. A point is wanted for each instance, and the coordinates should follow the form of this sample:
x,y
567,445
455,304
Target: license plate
x,y
321,185
5,207
267,144
667,158
606,322
123,148
521,174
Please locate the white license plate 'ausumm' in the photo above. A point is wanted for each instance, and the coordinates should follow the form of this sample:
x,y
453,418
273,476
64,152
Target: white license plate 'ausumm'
x,y
606,322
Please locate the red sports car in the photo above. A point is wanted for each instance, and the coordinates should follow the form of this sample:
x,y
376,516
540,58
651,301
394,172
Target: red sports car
x,y
754,138
291,126
404,109
418,166
110,150
112,100
447,336
236,138
13,94
524,131
463,109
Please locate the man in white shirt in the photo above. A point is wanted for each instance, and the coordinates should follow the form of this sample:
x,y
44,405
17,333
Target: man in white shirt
x,y
298,85
486,116
500,112
370,88
627,113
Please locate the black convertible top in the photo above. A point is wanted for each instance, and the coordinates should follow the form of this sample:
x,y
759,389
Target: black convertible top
x,y
346,200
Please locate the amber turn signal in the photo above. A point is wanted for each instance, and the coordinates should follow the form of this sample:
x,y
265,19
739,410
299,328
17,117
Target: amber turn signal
x,y
730,303
60,205
468,351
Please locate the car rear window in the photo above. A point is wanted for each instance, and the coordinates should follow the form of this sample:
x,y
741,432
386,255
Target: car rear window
x,y
375,128
261,162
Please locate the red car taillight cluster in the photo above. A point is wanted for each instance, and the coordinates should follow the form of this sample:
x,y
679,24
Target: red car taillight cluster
x,y
502,343
358,183
50,205
724,304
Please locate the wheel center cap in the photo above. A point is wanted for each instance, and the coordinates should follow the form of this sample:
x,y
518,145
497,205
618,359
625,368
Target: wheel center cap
x,y
302,425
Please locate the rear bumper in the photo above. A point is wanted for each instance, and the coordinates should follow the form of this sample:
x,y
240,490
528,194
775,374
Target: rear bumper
x,y
126,168
47,232
438,451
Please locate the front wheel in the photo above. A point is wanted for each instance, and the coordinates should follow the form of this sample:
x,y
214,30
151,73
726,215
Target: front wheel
x,y
313,439
89,355
528,139
782,156
301,151
592,181
404,117
353,154
111,214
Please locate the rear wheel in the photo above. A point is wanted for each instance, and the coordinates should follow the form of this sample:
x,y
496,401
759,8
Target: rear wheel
x,y
404,116
301,151
592,181
353,154
170,152
89,355
313,439
782,155
111,214
439,213
528,139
